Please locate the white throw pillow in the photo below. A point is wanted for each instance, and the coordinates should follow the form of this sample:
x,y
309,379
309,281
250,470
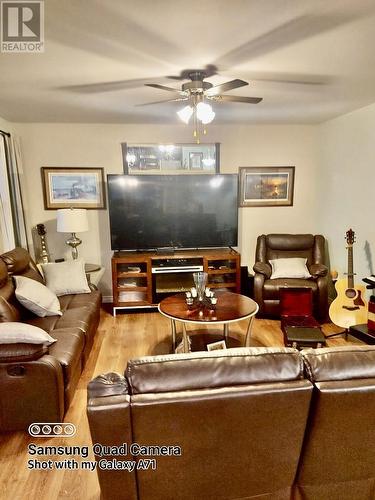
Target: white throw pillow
x,y
65,278
36,297
294,267
22,333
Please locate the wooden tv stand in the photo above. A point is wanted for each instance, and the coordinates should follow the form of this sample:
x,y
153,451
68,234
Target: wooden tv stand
x,y
143,279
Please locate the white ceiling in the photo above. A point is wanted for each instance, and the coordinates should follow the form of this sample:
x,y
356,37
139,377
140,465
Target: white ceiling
x,y
310,60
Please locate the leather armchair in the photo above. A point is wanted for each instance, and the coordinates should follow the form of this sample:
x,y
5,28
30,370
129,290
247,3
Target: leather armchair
x,y
277,246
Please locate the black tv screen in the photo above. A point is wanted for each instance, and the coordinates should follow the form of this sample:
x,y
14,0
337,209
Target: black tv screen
x,y
175,211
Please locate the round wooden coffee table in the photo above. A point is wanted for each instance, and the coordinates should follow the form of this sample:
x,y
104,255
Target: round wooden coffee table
x,y
230,307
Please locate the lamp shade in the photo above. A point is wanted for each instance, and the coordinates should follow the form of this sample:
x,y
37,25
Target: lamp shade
x,y
72,220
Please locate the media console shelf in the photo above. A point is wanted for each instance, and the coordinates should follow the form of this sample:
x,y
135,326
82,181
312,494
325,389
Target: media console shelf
x,y
143,279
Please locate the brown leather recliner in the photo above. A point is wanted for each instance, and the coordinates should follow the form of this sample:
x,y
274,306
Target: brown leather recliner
x,y
277,246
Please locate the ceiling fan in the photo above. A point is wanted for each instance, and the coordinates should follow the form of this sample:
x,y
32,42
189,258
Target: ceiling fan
x,y
198,93
197,89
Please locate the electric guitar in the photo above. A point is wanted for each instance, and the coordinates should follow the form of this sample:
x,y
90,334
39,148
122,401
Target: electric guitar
x,y
349,307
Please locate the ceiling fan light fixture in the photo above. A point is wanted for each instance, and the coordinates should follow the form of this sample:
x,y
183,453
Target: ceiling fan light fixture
x,y
185,113
205,113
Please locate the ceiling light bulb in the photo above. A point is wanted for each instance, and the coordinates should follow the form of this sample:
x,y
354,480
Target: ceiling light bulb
x,y
185,113
205,113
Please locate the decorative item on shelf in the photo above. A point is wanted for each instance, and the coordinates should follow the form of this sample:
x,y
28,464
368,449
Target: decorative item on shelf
x,y
72,220
44,253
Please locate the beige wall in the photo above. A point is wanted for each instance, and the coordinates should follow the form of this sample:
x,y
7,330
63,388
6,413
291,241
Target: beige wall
x,y
99,145
347,148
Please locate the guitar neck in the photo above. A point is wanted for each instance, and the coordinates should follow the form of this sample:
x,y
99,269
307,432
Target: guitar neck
x,y
350,267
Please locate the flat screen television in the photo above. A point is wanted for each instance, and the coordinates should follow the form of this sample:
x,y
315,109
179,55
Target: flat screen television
x,y
172,211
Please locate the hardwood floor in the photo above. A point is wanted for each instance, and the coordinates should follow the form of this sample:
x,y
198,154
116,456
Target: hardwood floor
x,y
117,340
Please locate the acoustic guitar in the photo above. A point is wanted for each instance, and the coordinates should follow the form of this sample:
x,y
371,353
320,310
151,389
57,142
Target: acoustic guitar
x,y
349,307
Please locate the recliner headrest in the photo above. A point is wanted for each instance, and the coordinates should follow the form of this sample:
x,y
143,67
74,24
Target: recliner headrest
x,y
204,370
339,363
290,242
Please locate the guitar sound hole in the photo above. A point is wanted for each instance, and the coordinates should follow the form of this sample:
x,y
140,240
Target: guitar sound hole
x,y
350,293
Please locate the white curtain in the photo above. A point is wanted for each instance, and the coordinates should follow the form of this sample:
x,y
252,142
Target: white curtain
x,y
12,221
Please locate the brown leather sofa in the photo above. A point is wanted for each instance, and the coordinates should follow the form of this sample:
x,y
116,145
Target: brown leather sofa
x,y
277,246
37,383
251,423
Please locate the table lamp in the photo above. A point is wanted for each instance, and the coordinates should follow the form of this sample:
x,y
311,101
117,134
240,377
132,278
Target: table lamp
x,y
72,220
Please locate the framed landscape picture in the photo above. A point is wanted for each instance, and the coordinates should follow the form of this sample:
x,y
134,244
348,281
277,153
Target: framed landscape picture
x,y
75,187
266,186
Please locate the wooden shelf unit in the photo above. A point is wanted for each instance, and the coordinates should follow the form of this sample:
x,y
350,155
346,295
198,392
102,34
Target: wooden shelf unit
x,y
134,284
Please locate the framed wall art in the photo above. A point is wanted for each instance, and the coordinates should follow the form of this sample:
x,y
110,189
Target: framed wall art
x,y
171,158
266,186
75,187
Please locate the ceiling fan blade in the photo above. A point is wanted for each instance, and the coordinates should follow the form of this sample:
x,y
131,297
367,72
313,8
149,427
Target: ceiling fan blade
x,y
295,30
163,87
167,100
236,98
224,87
91,88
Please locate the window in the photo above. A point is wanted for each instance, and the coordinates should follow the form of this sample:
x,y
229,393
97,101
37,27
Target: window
x,y
7,239
12,222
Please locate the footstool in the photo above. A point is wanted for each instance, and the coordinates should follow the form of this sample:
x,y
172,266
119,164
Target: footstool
x,y
299,337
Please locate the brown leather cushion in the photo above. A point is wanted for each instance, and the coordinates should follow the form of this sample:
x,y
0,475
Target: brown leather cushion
x,y
340,363
67,350
91,300
7,311
271,289
203,370
11,353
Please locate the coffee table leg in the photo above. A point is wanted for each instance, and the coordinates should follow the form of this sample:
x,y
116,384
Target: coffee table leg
x,y
248,332
185,339
226,331
173,328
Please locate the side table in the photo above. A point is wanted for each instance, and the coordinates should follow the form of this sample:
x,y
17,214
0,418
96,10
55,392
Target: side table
x,y
94,273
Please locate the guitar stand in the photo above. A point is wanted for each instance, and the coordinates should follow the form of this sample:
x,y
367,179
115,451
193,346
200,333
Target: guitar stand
x,y
344,332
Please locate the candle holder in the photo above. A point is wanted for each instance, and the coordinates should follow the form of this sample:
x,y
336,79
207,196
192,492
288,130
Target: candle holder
x,y
205,301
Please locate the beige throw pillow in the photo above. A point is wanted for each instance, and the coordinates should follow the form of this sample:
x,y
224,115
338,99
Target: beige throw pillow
x,y
22,333
36,297
65,278
294,267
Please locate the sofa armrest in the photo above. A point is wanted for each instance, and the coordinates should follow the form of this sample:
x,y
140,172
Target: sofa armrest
x,y
263,268
109,416
108,384
31,391
317,270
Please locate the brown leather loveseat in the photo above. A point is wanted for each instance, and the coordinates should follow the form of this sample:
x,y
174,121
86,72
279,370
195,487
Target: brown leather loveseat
x,y
249,423
278,246
37,383
237,424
